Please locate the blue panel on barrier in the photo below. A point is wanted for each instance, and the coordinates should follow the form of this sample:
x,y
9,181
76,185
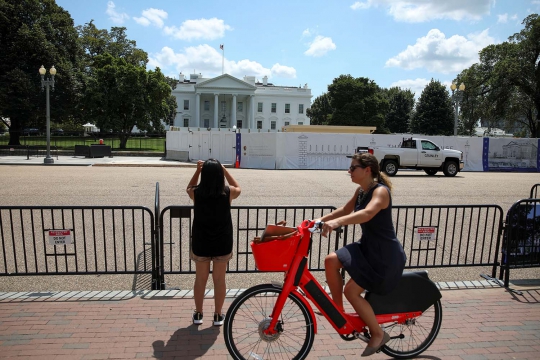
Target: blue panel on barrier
x,y
239,146
485,154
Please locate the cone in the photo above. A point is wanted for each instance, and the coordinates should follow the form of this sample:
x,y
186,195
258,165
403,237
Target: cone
x,y
237,163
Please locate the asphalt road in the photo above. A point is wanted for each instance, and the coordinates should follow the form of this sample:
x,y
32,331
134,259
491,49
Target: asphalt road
x,y
105,186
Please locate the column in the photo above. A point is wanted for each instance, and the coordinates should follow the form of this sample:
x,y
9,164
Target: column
x,y
233,120
216,110
252,112
198,110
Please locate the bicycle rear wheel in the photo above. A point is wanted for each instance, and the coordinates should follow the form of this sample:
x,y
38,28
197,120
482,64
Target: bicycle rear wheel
x,y
249,315
416,335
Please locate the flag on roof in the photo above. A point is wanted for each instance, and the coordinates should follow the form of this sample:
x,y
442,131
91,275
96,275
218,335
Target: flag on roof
x,y
221,46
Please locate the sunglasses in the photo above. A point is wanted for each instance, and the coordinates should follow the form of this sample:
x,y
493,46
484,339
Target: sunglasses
x,y
352,167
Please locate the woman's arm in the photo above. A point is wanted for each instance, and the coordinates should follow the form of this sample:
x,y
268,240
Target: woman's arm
x,y
233,184
379,200
194,180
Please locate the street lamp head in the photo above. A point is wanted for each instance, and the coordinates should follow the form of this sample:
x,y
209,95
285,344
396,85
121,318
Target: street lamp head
x,y
42,70
462,87
53,71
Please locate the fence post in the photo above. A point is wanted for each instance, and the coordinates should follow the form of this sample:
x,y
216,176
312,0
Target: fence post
x,y
158,280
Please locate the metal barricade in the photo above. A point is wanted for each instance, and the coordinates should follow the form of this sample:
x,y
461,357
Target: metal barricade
x,y
534,192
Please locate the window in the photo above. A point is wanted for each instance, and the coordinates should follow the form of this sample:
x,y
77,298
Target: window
x,y
206,105
273,107
259,124
300,123
223,107
301,108
287,108
272,125
186,122
207,123
427,145
240,107
186,104
238,124
259,107
287,123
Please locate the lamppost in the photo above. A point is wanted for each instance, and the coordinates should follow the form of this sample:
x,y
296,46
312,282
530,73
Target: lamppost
x,y
457,95
46,83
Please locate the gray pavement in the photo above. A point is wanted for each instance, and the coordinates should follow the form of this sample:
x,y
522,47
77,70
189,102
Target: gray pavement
x,y
63,160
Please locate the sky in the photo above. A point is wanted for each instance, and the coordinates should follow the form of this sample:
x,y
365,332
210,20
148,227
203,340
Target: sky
x,y
403,43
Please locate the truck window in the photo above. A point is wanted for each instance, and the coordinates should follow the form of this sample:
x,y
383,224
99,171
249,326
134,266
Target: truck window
x,y
427,145
409,144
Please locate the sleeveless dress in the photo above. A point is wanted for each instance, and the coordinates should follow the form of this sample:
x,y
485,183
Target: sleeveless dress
x,y
212,231
377,260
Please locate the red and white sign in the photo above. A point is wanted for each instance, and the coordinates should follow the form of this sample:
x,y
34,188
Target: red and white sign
x,y
425,233
60,237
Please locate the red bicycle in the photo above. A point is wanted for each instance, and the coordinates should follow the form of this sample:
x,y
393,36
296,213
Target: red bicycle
x,y
276,321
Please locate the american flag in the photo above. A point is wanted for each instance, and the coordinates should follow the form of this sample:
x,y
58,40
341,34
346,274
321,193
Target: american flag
x,y
221,46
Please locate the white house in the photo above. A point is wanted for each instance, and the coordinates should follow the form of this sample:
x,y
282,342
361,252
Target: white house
x,y
226,101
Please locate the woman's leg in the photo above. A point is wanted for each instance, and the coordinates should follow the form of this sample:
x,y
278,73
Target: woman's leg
x,y
353,293
218,276
202,270
332,265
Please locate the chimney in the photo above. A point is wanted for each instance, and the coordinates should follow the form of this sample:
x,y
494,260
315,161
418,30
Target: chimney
x,y
265,80
181,77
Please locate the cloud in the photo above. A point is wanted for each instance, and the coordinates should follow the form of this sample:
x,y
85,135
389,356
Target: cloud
x,y
306,33
437,53
427,10
152,16
503,18
415,85
114,16
320,46
206,59
208,29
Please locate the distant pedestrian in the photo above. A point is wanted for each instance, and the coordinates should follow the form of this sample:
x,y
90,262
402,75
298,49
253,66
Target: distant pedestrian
x,y
212,232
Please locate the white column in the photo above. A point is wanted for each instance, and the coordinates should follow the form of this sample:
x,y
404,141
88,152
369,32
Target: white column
x,y
233,120
252,112
216,110
198,110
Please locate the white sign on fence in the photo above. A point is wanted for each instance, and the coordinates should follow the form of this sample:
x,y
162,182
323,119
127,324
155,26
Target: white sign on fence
x,y
60,237
425,233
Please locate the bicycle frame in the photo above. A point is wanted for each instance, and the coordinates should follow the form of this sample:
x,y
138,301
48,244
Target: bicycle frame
x,y
299,275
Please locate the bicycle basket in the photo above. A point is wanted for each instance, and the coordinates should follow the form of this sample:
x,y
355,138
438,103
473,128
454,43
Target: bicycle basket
x,y
275,249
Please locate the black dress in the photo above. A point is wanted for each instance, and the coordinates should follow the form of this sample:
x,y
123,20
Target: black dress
x,y
377,260
212,232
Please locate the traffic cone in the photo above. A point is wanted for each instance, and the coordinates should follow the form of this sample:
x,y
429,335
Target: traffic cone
x,y
237,163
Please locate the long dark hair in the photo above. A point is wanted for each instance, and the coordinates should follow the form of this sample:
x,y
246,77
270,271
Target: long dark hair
x,y
369,160
212,182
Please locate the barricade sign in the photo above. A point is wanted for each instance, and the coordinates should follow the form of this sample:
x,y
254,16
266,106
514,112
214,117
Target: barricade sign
x,y
425,233
60,237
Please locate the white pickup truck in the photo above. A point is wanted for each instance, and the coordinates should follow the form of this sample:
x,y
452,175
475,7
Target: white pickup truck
x,y
420,154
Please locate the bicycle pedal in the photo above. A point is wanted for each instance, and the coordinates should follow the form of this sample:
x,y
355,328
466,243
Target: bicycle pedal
x,y
277,284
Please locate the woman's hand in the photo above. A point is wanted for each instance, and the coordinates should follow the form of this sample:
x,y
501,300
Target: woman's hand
x,y
329,226
200,164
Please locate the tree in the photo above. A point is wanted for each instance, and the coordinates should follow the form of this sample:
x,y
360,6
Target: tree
x,y
120,96
401,104
434,114
356,102
320,111
35,33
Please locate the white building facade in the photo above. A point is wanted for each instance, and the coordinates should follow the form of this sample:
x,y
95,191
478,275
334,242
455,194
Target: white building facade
x,y
226,101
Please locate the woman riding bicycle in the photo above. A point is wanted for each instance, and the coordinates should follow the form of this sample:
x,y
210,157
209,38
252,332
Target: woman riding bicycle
x,y
377,260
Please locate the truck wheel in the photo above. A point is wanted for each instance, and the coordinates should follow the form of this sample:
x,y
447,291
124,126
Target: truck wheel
x,y
450,168
390,167
431,172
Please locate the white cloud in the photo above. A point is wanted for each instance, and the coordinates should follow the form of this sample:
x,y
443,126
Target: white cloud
x,y
437,53
417,85
306,33
115,16
152,16
503,18
206,59
320,46
426,10
208,29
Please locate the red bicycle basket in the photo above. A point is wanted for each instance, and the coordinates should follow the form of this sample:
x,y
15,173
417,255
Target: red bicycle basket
x,y
275,255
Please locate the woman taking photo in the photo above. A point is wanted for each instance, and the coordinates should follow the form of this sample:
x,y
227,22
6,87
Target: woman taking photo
x,y
212,233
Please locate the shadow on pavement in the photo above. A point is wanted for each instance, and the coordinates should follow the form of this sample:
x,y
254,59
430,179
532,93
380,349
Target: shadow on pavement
x,y
186,343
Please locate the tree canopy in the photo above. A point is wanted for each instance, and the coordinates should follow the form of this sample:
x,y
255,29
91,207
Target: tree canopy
x,y
401,105
320,112
434,114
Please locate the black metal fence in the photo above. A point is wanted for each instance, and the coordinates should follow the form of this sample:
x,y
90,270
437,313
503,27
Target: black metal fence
x,y
534,191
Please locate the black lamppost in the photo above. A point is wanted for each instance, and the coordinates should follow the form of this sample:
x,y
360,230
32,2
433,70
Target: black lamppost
x,y
457,95
46,83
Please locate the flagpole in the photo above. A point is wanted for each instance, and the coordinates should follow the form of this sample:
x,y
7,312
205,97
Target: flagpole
x,y
222,59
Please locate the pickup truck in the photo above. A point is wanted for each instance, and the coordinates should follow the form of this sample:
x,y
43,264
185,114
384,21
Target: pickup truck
x,y
419,154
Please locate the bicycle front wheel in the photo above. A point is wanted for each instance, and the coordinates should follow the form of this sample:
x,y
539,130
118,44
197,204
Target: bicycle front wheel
x,y
249,315
415,336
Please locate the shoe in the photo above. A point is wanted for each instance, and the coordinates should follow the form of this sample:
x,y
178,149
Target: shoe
x,y
218,319
370,350
197,318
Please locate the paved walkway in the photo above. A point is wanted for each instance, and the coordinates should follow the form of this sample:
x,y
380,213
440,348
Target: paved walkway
x,y
64,160
480,321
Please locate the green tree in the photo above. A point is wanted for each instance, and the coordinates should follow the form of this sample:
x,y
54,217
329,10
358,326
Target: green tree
x,y
434,114
356,102
401,104
320,111
121,95
35,33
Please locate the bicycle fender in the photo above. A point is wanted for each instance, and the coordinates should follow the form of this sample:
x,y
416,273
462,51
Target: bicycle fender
x,y
308,306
